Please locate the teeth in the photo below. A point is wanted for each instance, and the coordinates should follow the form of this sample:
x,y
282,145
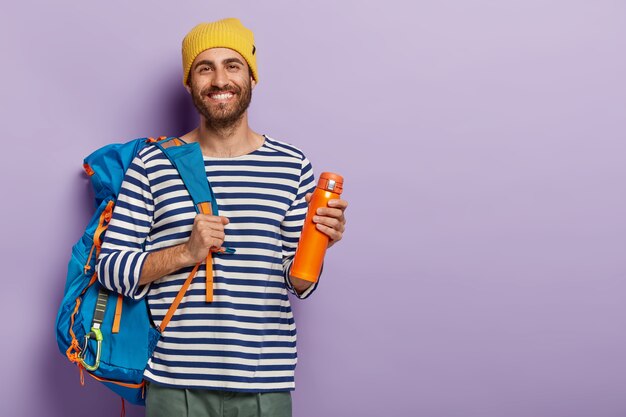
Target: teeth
x,y
221,96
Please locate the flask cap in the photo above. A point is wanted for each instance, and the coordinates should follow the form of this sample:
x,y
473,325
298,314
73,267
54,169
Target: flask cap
x,y
331,182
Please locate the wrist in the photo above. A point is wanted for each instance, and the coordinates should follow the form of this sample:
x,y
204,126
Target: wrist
x,y
184,256
300,285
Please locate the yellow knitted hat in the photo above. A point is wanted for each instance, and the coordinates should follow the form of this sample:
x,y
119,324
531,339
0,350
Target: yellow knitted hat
x,y
226,33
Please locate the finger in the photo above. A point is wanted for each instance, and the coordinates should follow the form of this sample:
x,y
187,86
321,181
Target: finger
x,y
307,197
218,234
209,233
210,227
211,238
212,219
329,212
328,221
338,203
333,234
214,230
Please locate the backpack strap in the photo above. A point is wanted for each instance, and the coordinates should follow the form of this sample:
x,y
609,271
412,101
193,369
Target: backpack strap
x,y
187,159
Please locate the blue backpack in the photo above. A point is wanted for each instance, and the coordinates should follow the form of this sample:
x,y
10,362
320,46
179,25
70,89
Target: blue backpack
x,y
109,336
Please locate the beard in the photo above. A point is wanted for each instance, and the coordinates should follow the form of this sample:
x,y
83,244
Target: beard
x,y
223,115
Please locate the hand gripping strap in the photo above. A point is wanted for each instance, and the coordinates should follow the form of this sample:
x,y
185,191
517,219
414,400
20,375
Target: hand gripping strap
x,y
187,159
205,208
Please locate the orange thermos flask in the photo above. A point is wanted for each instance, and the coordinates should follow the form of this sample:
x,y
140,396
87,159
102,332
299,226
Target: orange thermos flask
x,y
313,243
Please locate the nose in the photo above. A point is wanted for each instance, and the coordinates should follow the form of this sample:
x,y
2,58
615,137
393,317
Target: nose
x,y
220,78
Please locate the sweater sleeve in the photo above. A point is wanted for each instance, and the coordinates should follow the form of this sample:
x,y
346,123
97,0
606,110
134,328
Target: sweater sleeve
x,y
122,255
291,226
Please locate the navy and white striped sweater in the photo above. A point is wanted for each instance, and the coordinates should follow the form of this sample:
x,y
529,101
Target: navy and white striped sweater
x,y
245,340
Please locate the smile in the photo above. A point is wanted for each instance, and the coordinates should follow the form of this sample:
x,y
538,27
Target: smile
x,y
221,96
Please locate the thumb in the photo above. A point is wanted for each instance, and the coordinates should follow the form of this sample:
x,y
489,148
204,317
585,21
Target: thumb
x,y
307,197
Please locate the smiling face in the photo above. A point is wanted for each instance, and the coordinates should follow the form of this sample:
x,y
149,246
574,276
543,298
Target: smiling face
x,y
221,86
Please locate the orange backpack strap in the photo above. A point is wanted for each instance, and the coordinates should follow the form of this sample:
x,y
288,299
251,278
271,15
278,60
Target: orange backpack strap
x,y
177,300
117,319
205,208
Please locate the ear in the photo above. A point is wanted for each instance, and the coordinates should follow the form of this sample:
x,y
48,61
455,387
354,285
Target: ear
x,y
187,84
252,82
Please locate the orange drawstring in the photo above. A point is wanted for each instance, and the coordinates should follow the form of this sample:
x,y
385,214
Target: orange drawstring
x,y
105,218
73,351
73,356
87,266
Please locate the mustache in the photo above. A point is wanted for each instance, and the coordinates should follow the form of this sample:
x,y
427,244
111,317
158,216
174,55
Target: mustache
x,y
225,89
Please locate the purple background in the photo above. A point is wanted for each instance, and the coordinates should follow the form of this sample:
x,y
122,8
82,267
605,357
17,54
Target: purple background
x,y
484,148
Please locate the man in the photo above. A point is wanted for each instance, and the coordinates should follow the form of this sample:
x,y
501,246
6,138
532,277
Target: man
x,y
236,354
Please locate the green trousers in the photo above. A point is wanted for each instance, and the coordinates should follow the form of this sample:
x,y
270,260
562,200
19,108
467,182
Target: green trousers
x,y
163,401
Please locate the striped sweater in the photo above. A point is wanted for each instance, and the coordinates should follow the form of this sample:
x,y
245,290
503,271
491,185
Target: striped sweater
x,y
245,340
